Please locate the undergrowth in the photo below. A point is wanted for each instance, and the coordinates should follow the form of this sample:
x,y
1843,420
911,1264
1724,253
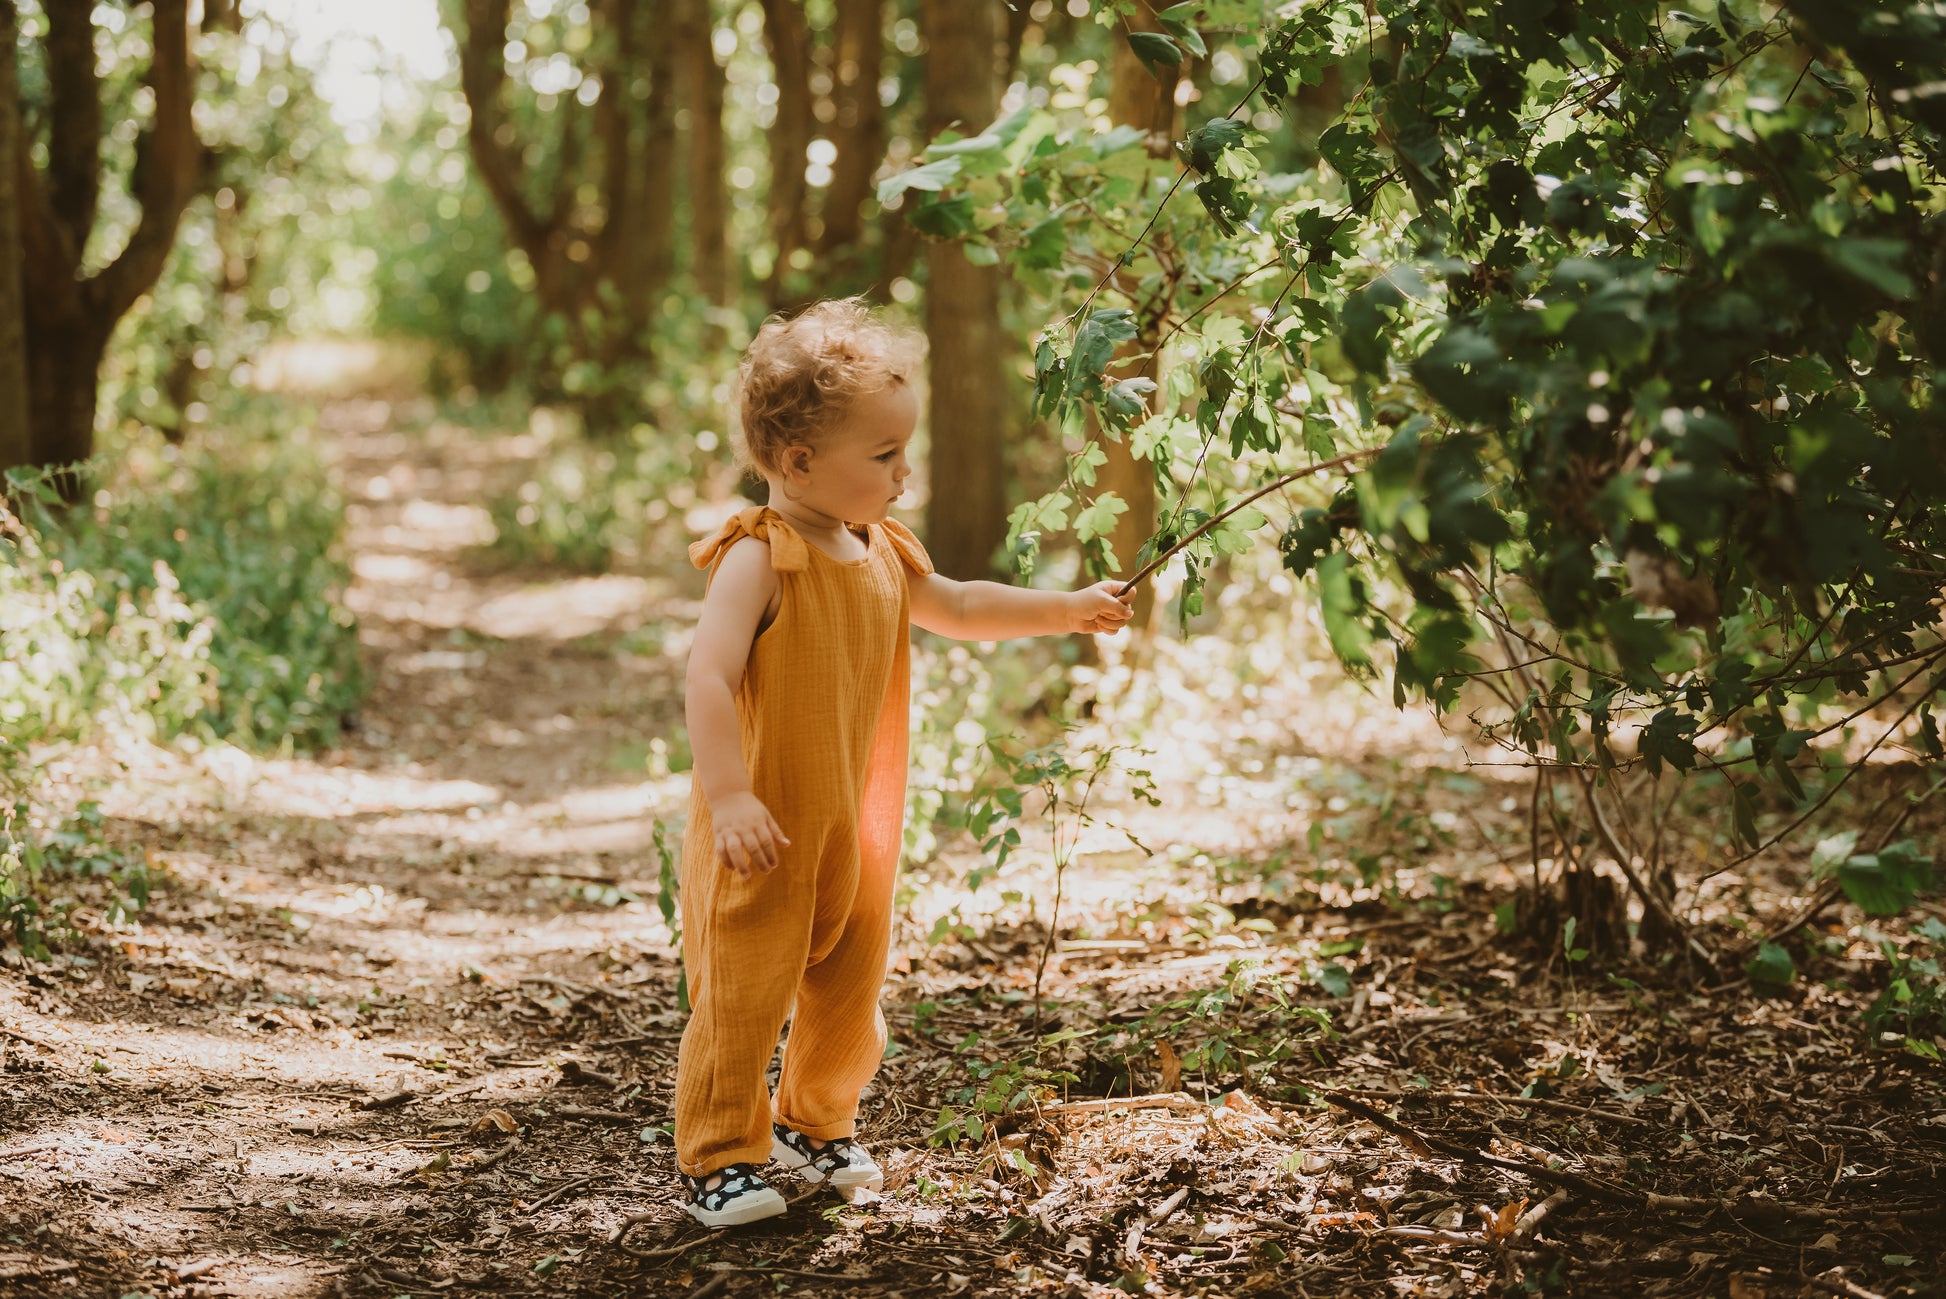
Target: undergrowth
x,y
193,593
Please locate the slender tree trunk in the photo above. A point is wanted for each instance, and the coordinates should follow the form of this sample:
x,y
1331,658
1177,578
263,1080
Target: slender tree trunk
x,y
966,515
703,82
1019,19
789,38
16,435
491,142
222,16
658,170
621,252
1140,99
858,123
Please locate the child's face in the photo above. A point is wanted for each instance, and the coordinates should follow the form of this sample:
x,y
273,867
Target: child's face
x,y
859,471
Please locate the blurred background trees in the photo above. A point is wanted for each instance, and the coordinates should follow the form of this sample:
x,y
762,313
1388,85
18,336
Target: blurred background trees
x,y
590,206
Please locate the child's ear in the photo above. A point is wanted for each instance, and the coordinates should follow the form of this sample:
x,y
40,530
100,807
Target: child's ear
x,y
797,460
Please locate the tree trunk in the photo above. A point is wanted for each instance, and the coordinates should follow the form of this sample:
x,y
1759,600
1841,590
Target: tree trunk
x,y
222,16
16,435
788,37
1019,19
61,394
69,320
1140,99
703,82
966,514
622,250
858,123
490,141
658,170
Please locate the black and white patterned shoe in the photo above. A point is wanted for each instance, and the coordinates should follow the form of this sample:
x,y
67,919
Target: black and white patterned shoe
x,y
844,1163
731,1196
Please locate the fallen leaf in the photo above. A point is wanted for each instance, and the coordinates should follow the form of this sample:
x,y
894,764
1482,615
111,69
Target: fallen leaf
x,y
1171,1067
1501,1221
500,1119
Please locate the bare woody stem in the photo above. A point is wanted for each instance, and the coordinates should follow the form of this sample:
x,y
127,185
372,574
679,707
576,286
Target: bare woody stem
x,y
1286,480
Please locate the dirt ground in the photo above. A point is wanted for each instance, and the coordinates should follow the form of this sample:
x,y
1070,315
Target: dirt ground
x,y
402,1018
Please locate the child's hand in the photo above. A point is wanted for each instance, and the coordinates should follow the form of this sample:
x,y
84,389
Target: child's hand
x,y
1098,608
747,836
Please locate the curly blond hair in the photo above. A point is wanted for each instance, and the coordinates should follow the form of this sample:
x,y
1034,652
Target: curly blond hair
x,y
801,373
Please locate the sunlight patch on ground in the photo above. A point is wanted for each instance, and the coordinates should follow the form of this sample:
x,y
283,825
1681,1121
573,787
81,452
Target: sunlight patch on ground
x,y
296,788
563,610
566,610
380,566
632,838
443,525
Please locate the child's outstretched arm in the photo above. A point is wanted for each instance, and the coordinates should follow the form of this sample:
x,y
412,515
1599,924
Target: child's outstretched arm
x,y
742,592
993,611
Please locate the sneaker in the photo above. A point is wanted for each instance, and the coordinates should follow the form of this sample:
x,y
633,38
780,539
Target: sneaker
x,y
844,1163
731,1196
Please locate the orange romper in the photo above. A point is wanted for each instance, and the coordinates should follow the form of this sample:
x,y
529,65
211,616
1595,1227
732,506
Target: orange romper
x,y
824,722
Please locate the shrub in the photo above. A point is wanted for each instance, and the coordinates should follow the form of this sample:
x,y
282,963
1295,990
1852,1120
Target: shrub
x,y
34,857
247,538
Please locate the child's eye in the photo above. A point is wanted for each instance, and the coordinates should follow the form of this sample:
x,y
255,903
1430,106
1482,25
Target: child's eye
x,y
886,457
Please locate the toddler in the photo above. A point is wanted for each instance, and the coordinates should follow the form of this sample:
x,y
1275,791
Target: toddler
x,y
797,712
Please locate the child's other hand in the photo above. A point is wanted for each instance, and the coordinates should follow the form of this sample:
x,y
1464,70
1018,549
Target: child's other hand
x,y
747,836
1098,608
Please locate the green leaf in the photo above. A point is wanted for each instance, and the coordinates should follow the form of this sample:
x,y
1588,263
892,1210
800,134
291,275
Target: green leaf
x,y
1341,601
1743,811
1043,245
932,176
1155,50
1828,853
1232,536
1094,347
1098,519
1334,978
1126,400
1211,141
1192,39
1888,881
1771,968
1567,942
1876,262
944,218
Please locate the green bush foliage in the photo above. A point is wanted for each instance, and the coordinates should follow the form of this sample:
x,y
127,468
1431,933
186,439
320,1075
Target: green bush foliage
x,y
39,863
83,651
247,539
1596,352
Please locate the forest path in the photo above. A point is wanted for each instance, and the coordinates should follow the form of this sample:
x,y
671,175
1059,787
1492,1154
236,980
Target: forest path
x,y
294,1076
421,910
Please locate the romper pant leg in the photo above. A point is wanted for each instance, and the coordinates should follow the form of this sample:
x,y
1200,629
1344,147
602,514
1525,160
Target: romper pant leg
x,y
838,1031
744,948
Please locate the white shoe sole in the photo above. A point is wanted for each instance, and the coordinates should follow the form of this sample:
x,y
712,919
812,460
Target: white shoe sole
x,y
753,1206
843,1181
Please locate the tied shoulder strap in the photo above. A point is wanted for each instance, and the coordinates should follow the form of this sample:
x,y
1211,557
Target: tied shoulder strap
x,y
787,549
910,552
